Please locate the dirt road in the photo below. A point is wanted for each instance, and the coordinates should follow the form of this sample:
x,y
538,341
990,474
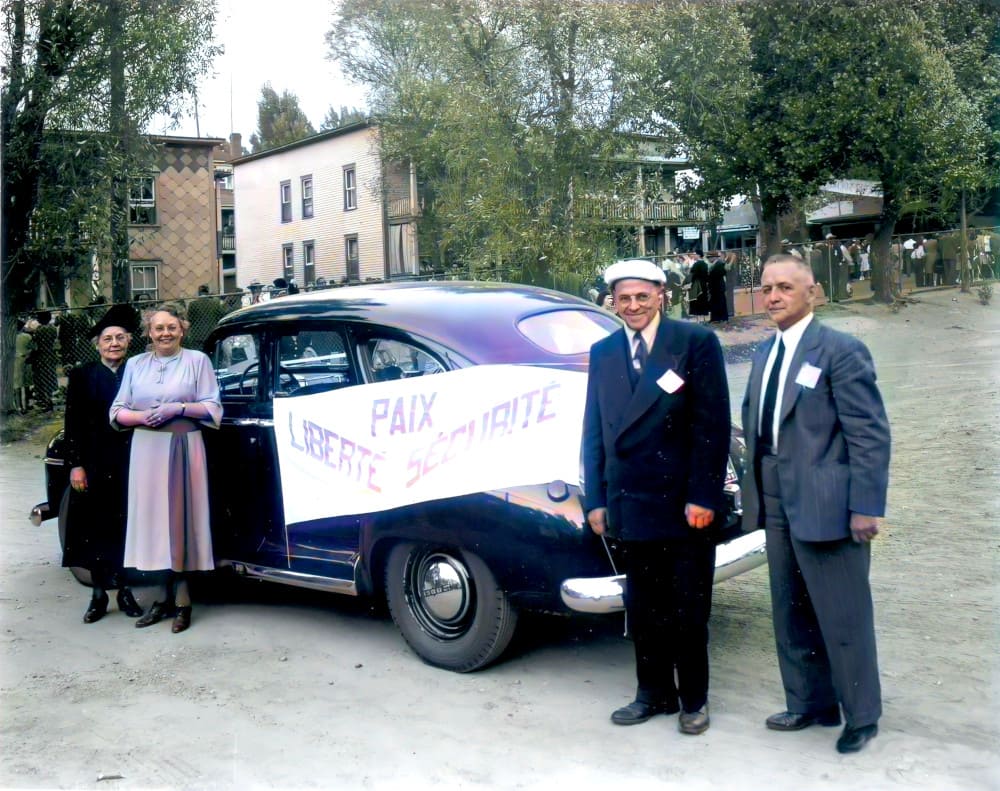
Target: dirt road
x,y
274,688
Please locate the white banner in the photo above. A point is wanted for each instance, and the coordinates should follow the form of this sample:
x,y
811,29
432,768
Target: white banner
x,y
373,447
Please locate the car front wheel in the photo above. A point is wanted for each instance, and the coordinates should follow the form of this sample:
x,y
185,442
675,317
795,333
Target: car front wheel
x,y
448,606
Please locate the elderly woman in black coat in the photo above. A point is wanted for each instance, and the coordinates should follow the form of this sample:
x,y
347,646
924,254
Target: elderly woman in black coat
x,y
98,458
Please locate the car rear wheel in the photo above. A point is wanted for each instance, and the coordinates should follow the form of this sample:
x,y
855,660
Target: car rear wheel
x,y
448,605
82,575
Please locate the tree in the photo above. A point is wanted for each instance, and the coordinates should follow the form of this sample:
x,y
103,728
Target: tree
x,y
335,119
55,104
506,110
280,120
805,92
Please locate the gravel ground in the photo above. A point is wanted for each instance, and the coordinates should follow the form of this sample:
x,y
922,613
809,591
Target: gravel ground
x,y
277,688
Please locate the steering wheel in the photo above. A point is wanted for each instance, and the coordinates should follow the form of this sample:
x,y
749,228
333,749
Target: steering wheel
x,y
243,376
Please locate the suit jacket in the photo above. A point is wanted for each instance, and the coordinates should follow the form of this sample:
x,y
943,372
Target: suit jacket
x,y
647,453
833,438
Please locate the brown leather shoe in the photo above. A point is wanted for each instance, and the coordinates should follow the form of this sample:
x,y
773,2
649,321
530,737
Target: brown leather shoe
x,y
182,620
157,612
694,722
794,721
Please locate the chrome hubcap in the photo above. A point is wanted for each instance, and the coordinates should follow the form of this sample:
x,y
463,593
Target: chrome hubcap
x,y
440,593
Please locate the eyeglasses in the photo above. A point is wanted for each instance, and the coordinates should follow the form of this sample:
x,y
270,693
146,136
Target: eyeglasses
x,y
121,338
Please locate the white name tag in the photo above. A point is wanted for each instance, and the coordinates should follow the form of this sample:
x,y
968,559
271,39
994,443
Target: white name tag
x,y
808,376
670,382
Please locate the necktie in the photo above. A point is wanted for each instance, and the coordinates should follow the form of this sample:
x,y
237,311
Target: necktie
x,y
770,397
640,353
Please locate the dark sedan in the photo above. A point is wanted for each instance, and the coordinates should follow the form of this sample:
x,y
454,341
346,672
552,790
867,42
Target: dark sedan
x,y
455,571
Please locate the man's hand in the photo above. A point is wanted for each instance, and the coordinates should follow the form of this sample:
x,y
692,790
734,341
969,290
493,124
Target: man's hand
x,y
78,479
863,528
598,520
697,516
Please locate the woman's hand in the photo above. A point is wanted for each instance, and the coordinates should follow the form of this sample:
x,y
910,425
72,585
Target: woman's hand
x,y
158,415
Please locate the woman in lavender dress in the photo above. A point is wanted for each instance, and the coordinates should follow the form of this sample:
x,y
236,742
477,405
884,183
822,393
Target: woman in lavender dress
x,y
168,394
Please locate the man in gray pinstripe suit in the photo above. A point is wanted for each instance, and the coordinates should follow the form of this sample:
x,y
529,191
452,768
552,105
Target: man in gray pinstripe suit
x,y
818,438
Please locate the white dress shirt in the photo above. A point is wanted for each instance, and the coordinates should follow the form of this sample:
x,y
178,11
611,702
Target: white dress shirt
x,y
790,338
648,335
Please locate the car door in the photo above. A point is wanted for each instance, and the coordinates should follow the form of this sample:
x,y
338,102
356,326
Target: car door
x,y
244,486
310,359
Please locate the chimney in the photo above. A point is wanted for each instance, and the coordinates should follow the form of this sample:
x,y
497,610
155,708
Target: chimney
x,y
235,145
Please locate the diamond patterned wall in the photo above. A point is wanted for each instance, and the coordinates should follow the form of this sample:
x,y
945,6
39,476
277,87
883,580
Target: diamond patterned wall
x,y
183,241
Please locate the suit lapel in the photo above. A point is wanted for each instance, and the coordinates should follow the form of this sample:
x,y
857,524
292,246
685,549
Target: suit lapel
x,y
809,341
662,357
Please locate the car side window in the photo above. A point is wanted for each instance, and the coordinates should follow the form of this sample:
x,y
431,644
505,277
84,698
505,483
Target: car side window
x,y
312,361
236,359
388,359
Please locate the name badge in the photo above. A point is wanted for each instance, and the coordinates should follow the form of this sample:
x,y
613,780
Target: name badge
x,y
808,376
670,382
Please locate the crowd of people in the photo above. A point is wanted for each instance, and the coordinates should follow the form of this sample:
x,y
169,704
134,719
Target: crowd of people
x,y
697,287
138,475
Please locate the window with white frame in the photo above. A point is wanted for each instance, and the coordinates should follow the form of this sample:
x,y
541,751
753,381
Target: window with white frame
x,y
287,262
145,280
350,188
307,197
286,201
352,257
309,263
142,200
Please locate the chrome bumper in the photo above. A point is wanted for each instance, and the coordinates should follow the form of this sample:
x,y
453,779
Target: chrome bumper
x,y
40,513
600,595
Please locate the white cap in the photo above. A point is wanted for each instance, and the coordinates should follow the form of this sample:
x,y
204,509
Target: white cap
x,y
634,268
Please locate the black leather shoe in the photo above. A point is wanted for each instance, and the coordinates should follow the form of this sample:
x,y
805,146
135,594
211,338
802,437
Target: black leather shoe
x,y
127,603
182,620
97,609
853,739
792,721
694,722
637,711
156,613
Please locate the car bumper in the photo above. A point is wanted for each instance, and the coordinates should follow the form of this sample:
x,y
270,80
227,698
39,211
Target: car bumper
x,y
40,513
601,595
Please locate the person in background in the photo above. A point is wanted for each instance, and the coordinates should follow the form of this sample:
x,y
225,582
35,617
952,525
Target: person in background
x,y
605,300
168,394
717,304
72,328
818,447
655,445
698,295
44,360
918,261
203,314
97,456
933,268
23,346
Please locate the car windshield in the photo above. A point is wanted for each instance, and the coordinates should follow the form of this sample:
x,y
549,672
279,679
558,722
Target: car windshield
x,y
567,331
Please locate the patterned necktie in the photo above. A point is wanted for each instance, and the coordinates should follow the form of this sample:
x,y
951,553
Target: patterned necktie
x,y
770,397
640,353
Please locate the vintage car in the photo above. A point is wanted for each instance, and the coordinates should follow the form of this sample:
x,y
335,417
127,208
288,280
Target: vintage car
x,y
455,571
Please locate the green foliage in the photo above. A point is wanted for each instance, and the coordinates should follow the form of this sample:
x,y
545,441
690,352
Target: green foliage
x,y
345,116
507,111
60,162
280,120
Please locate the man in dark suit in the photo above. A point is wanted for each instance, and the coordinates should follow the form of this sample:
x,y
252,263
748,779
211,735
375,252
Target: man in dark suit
x,y
655,443
818,438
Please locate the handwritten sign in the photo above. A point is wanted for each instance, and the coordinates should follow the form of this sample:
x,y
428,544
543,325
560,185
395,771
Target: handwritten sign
x,y
379,446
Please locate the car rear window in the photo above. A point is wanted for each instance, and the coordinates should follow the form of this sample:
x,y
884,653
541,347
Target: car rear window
x,y
567,331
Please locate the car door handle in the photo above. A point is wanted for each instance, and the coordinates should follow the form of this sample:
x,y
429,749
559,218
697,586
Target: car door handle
x,y
263,422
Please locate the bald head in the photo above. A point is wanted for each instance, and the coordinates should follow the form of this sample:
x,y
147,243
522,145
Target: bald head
x,y
788,258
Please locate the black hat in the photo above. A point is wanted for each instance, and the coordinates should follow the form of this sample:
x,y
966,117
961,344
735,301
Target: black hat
x,y
116,316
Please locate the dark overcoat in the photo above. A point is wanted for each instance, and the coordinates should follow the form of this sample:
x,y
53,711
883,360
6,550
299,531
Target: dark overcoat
x,y
95,525
649,452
